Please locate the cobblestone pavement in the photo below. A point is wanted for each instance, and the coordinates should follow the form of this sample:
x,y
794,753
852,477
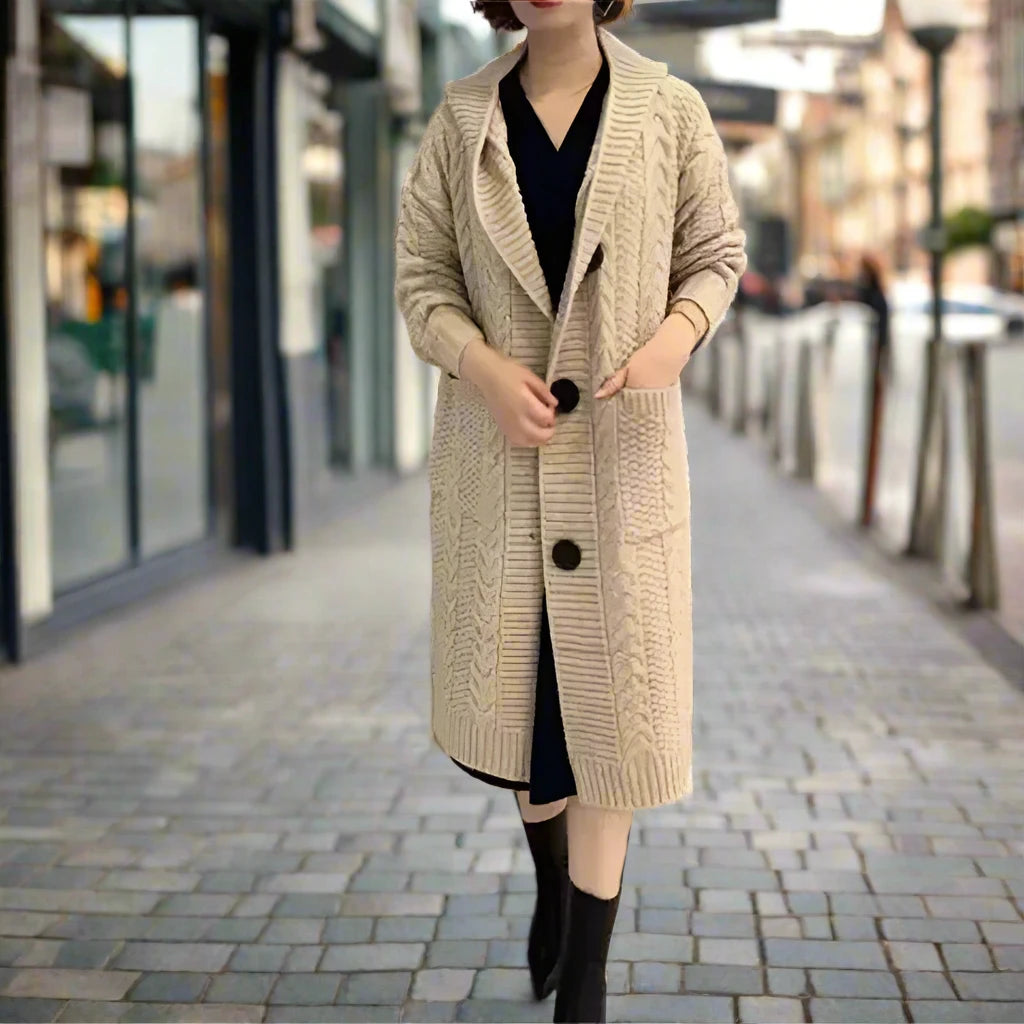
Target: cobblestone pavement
x,y
225,806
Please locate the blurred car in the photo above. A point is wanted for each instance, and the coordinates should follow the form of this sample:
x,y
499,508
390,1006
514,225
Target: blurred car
x,y
970,312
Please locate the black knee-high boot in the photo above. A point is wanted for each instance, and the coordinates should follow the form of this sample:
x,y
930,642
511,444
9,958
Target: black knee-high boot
x,y
549,845
583,985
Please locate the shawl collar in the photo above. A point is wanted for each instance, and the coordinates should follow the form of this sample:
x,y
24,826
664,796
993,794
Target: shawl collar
x,y
473,101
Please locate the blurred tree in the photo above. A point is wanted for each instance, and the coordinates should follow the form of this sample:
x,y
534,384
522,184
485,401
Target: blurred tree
x,y
968,227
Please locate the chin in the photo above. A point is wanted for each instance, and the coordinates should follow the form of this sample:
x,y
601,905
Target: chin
x,y
538,15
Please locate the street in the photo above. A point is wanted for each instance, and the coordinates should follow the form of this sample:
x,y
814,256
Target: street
x,y
225,805
840,384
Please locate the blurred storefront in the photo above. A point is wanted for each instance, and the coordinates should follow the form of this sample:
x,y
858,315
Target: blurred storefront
x,y
119,274
1006,118
200,350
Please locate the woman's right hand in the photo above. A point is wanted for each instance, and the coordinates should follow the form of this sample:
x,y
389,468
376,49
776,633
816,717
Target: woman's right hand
x,y
520,402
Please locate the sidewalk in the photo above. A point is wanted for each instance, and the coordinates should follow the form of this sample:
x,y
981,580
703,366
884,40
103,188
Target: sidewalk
x,y
226,807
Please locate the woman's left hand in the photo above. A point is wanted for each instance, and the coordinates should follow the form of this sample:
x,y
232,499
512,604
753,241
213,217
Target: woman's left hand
x,y
657,364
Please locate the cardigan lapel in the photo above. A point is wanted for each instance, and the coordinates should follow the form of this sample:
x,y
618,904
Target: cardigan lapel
x,y
499,204
634,80
474,102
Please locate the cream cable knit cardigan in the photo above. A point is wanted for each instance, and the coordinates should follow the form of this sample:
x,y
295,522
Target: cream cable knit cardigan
x,y
656,225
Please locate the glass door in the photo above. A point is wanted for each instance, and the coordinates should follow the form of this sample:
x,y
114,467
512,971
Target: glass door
x,y
85,172
169,307
125,287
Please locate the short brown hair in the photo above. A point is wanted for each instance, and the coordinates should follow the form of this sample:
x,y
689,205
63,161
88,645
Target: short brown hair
x,y
502,17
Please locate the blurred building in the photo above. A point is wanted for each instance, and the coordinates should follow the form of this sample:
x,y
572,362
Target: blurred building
x,y
1006,41
864,159
197,328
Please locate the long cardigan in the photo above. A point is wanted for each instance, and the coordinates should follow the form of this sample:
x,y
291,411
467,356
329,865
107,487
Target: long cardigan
x,y
598,518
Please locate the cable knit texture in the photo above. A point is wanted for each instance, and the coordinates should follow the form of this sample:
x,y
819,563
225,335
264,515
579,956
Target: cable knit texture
x,y
656,224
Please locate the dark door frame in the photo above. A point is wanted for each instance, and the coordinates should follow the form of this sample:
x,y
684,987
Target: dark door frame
x,y
260,415
10,621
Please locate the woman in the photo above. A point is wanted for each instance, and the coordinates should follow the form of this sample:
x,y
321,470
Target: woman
x,y
566,239
870,290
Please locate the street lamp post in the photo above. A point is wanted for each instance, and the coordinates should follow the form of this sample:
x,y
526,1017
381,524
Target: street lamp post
x,y
934,25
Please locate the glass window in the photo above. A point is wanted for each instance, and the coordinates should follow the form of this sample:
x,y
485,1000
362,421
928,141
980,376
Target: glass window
x,y
170,317
218,281
86,215
325,174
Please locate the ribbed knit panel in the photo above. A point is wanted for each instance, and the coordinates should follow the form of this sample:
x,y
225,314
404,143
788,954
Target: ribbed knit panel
x,y
480,746
524,575
613,480
568,498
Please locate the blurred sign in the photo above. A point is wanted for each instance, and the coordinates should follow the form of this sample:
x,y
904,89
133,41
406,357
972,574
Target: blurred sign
x,y
706,13
306,37
771,244
750,104
363,12
403,73
933,239
1005,237
67,121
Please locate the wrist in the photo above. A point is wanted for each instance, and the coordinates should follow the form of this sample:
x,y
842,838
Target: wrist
x,y
477,362
693,315
675,339
687,330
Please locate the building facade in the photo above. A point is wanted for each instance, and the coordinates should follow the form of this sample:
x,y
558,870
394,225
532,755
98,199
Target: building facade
x,y
1006,43
864,156
198,346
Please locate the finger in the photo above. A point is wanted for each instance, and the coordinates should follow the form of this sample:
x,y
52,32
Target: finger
x,y
538,413
541,390
616,382
538,433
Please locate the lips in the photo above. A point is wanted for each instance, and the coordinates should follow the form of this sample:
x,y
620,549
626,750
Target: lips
x,y
546,3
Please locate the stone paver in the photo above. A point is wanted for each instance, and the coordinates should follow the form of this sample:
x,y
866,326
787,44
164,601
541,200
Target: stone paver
x,y
69,984
769,1010
226,805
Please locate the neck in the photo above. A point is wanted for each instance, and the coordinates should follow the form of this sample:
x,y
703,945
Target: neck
x,y
561,58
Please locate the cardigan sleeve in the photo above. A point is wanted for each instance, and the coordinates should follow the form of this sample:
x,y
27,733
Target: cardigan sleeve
x,y
429,285
708,245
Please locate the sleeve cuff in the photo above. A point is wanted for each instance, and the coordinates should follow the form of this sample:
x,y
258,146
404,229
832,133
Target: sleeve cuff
x,y
708,291
698,319
450,332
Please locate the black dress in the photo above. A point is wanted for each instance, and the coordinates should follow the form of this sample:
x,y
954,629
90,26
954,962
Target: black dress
x,y
549,182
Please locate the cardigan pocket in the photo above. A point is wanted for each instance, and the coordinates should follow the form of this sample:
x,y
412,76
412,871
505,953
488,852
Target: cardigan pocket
x,y
653,473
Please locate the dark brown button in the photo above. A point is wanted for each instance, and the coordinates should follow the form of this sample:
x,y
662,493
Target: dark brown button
x,y
596,260
566,555
567,393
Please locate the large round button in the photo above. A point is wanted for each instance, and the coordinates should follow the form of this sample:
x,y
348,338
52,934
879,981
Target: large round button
x,y
567,393
566,555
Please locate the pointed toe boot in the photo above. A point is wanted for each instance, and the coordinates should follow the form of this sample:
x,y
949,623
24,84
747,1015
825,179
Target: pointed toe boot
x,y
583,982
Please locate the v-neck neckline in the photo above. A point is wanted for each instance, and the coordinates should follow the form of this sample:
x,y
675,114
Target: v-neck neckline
x,y
578,117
